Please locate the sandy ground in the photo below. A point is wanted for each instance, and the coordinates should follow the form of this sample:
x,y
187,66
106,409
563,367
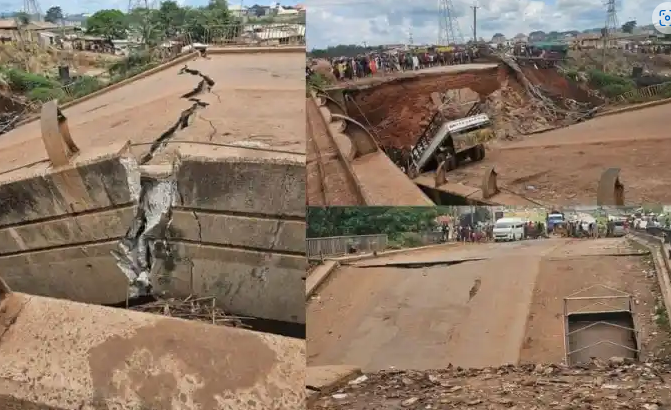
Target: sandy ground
x,y
259,101
480,313
564,166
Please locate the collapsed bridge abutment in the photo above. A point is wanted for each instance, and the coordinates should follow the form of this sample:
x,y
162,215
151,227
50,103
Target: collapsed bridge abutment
x,y
232,227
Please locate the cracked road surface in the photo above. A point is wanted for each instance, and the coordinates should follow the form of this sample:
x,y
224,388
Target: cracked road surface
x,y
254,103
472,314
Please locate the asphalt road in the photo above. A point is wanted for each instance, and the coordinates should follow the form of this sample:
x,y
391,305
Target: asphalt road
x,y
471,314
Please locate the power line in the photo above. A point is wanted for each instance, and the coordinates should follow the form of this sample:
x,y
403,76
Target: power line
x,y
33,9
448,27
475,23
610,28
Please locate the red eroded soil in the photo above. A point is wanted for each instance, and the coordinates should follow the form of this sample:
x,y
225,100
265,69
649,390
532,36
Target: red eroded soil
x,y
398,110
552,81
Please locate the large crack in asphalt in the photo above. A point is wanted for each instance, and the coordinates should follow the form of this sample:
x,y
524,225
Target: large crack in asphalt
x,y
415,265
154,188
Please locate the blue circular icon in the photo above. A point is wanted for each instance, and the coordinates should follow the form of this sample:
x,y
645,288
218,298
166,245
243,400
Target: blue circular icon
x,y
661,18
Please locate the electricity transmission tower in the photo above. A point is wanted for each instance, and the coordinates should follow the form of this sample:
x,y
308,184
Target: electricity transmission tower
x,y
142,4
610,28
448,27
32,8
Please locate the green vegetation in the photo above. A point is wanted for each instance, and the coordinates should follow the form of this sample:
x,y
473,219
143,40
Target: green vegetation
x,y
40,88
608,84
54,15
316,80
662,317
155,25
342,50
393,221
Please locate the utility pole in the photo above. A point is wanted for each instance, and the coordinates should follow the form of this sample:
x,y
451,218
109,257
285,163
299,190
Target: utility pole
x,y
475,23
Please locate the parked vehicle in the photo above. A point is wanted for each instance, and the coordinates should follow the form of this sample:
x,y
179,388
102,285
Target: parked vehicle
x,y
508,229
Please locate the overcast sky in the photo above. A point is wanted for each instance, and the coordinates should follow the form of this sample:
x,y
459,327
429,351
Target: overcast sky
x,y
333,22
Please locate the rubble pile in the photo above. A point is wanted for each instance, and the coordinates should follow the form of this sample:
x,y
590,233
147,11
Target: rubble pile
x,y
531,100
616,384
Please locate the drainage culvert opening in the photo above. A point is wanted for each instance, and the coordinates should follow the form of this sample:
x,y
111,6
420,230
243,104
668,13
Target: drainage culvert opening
x,y
601,335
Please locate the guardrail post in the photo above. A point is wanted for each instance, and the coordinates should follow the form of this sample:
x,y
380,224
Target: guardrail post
x,y
56,135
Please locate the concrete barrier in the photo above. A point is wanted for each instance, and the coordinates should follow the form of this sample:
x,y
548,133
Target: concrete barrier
x,y
59,354
661,261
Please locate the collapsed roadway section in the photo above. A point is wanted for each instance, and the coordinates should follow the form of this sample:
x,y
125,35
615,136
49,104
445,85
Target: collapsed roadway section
x,y
448,133
171,185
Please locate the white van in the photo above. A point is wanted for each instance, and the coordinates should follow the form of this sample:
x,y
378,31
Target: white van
x,y
508,229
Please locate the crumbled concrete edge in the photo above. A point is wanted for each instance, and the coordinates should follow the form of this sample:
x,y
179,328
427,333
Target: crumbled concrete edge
x,y
154,189
135,253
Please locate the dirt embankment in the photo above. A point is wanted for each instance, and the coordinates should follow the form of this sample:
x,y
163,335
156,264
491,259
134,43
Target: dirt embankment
x,y
616,384
398,110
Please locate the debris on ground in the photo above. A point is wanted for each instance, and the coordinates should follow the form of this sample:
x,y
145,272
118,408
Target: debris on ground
x,y
618,383
520,97
202,309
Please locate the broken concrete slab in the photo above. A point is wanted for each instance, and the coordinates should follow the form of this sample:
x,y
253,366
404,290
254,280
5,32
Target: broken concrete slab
x,y
145,371
111,224
254,283
62,240
244,181
89,184
85,273
240,231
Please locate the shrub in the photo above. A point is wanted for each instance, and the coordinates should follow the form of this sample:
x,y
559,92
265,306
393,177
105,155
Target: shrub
x,y
46,94
613,90
21,81
599,79
84,85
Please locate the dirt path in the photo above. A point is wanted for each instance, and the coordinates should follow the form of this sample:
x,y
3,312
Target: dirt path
x,y
329,181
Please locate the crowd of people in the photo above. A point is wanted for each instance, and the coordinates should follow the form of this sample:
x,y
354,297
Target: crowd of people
x,y
349,68
484,232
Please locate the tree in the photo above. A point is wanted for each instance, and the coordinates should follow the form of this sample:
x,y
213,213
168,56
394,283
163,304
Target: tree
x,y
337,221
111,24
144,19
54,15
169,17
22,18
629,26
199,20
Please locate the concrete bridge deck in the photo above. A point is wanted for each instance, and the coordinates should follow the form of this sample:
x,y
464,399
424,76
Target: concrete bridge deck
x,y
503,304
61,355
231,225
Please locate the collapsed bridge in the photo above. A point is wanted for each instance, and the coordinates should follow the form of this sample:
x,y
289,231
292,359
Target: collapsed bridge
x,y
376,136
156,186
